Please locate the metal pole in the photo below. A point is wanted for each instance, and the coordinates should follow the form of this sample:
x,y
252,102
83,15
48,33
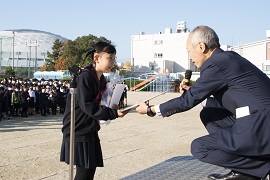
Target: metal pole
x,y
72,132
13,52
73,86
29,62
19,53
36,59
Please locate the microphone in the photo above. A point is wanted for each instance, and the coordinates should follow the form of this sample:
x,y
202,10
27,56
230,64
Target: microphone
x,y
188,74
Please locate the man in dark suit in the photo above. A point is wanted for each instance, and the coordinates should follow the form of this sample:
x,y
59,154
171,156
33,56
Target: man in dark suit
x,y
236,113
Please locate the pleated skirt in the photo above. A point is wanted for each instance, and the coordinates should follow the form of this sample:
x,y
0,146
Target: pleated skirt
x,y
86,154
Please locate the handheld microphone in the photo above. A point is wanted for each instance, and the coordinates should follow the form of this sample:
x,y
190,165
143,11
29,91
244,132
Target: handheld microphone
x,y
188,74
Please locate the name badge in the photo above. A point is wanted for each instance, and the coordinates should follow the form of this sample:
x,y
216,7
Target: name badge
x,y
242,112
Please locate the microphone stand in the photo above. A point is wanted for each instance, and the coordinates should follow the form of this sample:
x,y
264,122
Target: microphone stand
x,y
73,86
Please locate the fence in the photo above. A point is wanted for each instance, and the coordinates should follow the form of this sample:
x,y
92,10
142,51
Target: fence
x,y
160,84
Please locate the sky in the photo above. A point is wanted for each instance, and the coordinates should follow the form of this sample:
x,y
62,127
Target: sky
x,y
235,21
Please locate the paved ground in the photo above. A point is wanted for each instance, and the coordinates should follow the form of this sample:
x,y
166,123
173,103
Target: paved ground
x,y
29,147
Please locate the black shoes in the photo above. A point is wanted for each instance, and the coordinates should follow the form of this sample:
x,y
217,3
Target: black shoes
x,y
233,175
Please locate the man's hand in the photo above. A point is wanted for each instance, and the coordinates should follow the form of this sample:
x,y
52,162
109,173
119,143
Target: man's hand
x,y
142,108
183,87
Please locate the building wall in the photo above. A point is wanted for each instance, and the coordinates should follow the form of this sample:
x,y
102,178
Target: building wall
x,y
159,49
254,52
267,50
175,56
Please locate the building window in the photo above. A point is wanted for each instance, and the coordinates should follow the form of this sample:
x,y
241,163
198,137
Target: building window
x,y
158,42
267,68
158,55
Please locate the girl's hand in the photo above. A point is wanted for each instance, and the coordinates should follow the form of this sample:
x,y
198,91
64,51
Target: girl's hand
x,y
115,106
122,113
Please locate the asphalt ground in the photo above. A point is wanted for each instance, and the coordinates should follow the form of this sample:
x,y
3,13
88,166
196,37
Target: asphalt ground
x,y
30,147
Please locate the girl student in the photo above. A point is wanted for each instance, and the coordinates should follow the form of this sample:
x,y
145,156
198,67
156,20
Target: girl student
x,y
91,84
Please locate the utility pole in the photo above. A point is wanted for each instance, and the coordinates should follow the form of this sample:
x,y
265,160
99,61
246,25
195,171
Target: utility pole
x,y
13,39
30,44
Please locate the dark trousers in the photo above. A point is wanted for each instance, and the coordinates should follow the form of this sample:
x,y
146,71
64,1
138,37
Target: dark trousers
x,y
16,109
84,174
43,110
206,150
24,112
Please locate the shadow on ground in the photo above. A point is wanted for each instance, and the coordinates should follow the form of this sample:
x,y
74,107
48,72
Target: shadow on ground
x,y
29,123
178,168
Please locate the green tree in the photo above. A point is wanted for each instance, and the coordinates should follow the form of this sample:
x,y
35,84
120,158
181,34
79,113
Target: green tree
x,y
71,53
76,50
127,65
9,71
54,56
22,72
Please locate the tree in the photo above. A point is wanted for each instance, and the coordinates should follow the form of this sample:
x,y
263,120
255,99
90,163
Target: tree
x,y
61,64
69,53
127,65
9,71
22,72
53,57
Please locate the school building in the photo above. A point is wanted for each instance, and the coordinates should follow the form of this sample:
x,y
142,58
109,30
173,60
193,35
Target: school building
x,y
162,52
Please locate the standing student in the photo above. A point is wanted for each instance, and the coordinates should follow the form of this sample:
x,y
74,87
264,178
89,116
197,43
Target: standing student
x,y
16,101
32,100
8,108
24,101
237,118
91,84
125,93
44,101
53,97
1,101
62,96
37,95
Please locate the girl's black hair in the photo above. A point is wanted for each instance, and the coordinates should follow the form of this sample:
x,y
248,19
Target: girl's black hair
x,y
100,47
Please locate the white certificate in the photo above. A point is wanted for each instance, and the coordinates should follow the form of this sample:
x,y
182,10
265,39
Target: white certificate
x,y
117,93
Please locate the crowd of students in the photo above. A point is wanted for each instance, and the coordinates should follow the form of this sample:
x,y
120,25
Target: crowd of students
x,y
24,98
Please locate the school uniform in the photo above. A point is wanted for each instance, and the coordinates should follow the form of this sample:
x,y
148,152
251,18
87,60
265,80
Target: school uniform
x,y
62,101
8,108
53,98
1,105
44,101
88,112
37,104
16,102
24,103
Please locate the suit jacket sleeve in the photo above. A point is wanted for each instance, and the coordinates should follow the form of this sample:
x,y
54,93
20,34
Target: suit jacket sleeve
x,y
210,81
